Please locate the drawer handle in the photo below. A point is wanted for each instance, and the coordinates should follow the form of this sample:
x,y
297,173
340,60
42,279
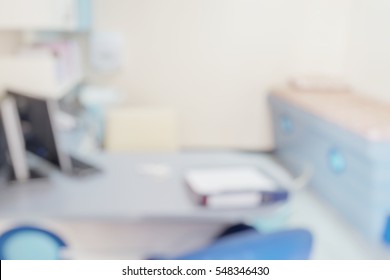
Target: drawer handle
x,y
286,124
337,161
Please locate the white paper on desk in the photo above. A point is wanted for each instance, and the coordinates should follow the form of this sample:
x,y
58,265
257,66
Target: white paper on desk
x,y
229,179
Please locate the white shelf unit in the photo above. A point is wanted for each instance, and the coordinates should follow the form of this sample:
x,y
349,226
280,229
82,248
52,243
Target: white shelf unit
x,y
45,15
36,76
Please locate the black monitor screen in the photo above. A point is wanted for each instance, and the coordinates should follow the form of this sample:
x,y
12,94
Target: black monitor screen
x,y
37,127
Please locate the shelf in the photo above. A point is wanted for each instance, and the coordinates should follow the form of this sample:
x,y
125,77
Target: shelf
x,y
55,91
38,76
46,15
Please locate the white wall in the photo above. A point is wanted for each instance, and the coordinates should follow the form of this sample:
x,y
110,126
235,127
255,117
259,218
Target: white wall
x,y
368,57
214,60
322,32
8,41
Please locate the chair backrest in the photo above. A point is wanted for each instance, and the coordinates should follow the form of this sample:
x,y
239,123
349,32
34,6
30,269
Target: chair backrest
x,y
251,245
130,129
30,243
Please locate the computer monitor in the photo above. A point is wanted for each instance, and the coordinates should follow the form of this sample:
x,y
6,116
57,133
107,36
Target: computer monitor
x,y
38,129
3,147
13,153
40,135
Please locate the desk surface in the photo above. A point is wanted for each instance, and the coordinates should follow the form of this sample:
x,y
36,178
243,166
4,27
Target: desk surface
x,y
123,193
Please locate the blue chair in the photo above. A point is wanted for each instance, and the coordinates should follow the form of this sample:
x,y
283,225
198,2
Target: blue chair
x,y
251,245
30,243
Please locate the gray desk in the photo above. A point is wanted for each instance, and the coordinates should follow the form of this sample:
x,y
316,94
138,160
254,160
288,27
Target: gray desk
x,y
114,205
124,213
122,191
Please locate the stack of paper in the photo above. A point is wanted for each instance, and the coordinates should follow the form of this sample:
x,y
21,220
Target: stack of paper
x,y
233,187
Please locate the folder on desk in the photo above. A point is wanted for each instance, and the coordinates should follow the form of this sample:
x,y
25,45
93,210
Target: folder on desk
x,y
234,187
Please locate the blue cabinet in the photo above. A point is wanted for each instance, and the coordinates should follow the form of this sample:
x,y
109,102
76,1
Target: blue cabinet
x,y
351,170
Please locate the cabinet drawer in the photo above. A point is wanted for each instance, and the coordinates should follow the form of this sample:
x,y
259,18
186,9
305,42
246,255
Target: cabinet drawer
x,y
337,166
349,171
289,125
